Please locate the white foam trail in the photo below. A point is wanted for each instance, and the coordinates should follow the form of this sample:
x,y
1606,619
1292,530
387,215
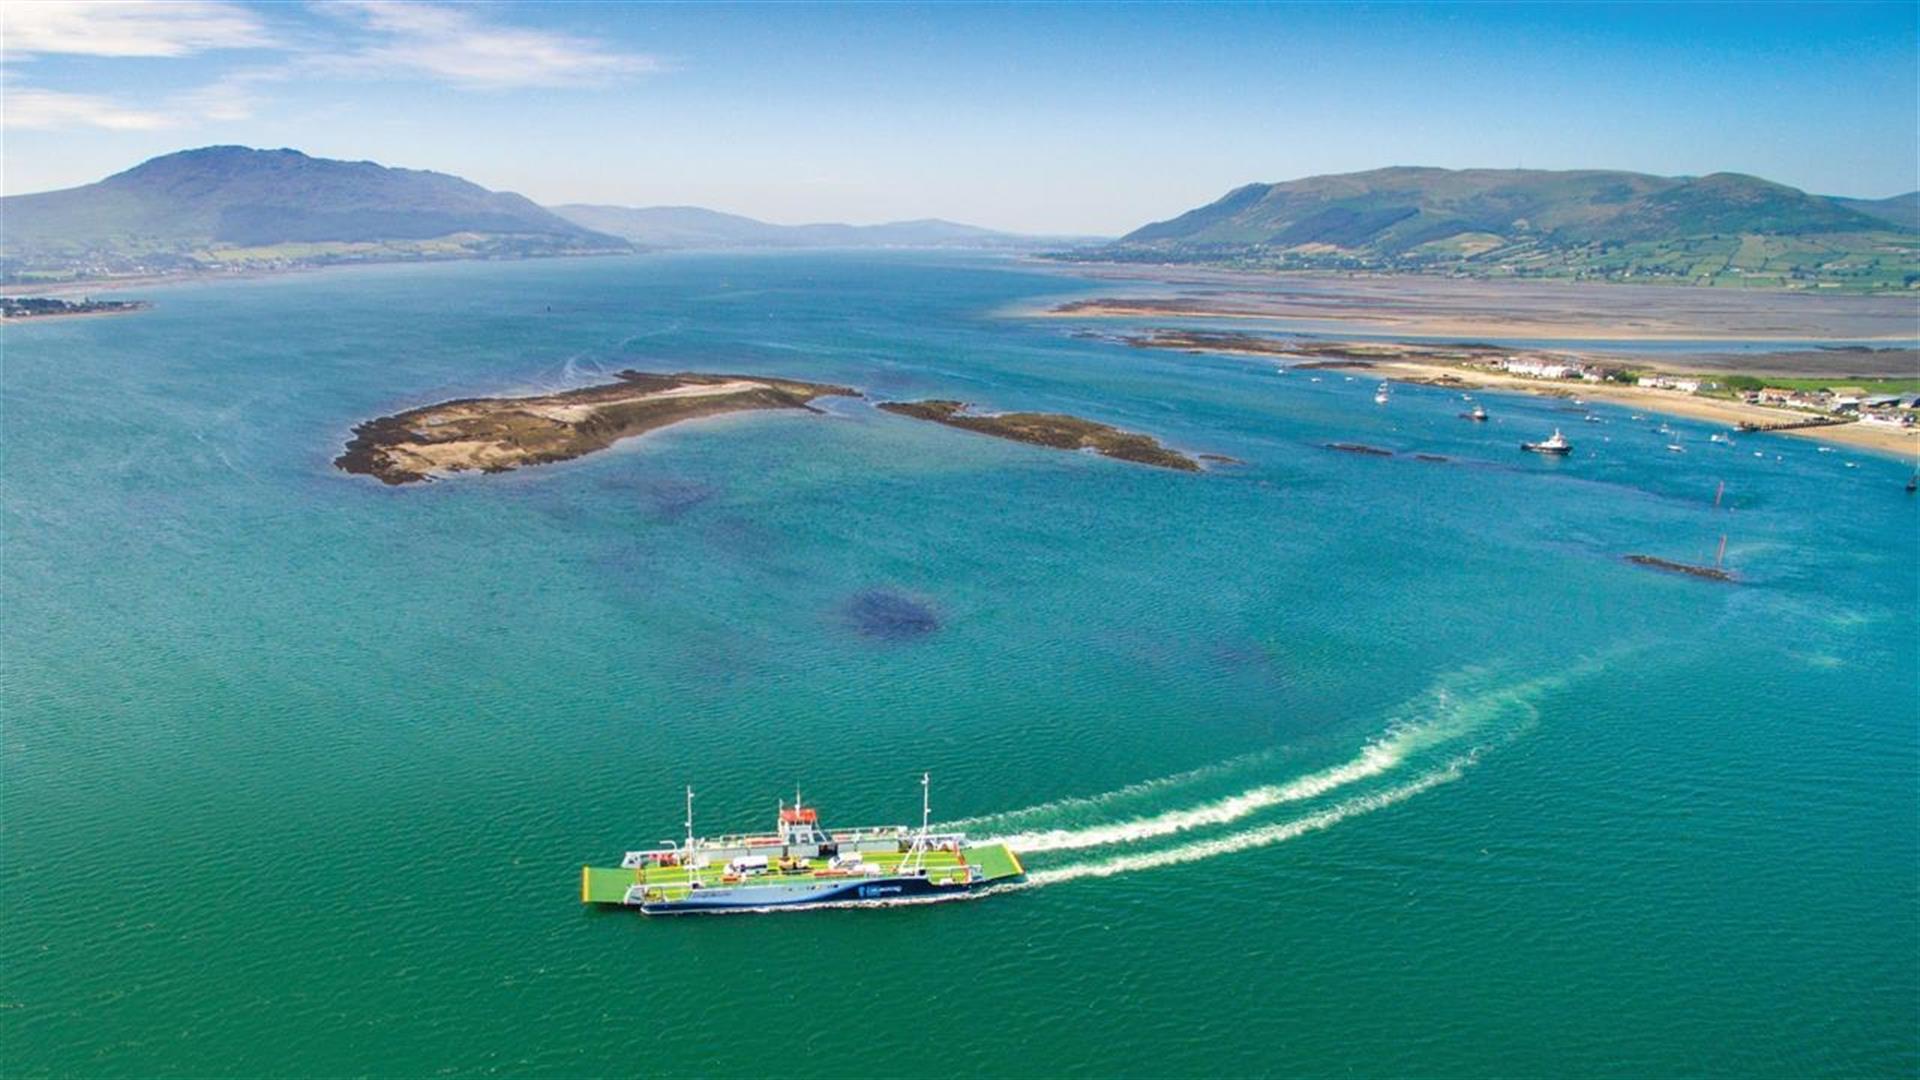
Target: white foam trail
x,y
1254,838
1377,758
1450,718
1080,802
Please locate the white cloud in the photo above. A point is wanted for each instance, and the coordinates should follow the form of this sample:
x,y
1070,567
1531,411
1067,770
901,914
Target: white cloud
x,y
29,108
225,99
118,28
384,39
451,44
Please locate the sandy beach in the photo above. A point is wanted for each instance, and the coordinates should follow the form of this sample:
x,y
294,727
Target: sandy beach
x,y
1904,443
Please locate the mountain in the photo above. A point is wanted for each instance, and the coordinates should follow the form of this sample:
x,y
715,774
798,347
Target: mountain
x,y
684,227
1902,210
1511,222
231,205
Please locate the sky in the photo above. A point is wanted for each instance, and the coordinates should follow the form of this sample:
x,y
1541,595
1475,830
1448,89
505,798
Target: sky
x,y
1049,118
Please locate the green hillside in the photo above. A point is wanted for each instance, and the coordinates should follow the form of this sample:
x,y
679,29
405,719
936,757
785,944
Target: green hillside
x,y
230,205
1720,229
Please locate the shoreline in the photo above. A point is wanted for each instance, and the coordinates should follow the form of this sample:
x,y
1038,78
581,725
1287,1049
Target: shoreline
x,y
205,276
1904,443
1433,365
61,316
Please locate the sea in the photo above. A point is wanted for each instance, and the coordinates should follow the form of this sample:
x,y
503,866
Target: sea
x,y
1322,763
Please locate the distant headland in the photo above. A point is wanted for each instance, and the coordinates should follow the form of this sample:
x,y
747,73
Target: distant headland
x,y
1724,229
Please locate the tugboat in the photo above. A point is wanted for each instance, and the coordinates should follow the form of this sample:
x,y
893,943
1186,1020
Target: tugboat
x,y
1557,445
800,865
1478,414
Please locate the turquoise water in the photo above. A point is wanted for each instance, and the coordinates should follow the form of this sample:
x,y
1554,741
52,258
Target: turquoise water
x,y
1328,763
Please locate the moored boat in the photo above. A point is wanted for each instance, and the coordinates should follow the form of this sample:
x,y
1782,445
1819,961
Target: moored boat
x,y
1557,444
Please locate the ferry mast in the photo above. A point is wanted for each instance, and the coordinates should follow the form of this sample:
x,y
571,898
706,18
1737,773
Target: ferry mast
x,y
917,854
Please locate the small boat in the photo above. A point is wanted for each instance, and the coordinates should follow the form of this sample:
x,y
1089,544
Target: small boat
x,y
1676,448
1478,414
1316,378
1826,449
1637,416
1853,464
1380,396
1757,453
1591,419
1721,437
1556,445
1913,483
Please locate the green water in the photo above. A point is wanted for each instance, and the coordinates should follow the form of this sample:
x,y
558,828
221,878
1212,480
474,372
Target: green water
x,y
1329,764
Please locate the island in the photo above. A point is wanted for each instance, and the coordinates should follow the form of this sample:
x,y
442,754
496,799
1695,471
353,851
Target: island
x,y
48,307
1655,562
495,435
1056,430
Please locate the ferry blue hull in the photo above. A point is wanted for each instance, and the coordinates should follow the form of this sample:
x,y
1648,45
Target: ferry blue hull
x,y
749,898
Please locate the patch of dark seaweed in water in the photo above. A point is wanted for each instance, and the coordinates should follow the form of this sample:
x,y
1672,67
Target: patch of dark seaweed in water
x,y
888,616
667,498
673,498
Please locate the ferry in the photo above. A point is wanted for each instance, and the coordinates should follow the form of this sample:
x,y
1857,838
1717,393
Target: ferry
x,y
1558,444
799,864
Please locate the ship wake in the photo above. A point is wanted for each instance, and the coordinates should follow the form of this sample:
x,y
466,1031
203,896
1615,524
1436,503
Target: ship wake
x,y
1435,738
1263,836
